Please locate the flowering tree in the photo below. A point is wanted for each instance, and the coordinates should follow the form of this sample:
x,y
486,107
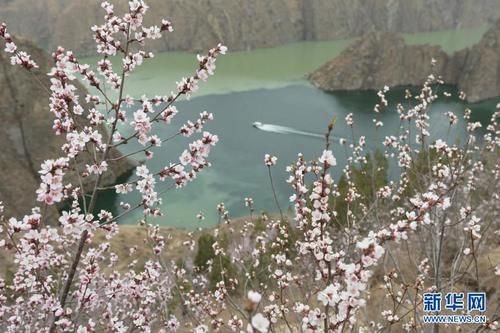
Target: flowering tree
x,y
309,272
41,251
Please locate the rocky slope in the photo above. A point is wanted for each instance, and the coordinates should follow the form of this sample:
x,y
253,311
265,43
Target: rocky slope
x,y
376,60
244,24
478,67
26,137
380,59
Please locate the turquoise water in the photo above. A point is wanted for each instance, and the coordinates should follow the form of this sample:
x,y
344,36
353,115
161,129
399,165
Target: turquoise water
x,y
267,86
238,169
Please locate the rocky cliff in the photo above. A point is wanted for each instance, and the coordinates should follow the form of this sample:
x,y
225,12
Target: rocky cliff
x,y
380,59
376,60
478,67
245,24
26,137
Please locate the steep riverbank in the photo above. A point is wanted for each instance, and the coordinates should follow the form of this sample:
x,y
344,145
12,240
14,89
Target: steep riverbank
x,y
26,136
380,59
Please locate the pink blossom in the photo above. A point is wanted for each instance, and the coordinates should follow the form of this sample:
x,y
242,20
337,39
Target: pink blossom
x,y
328,158
270,160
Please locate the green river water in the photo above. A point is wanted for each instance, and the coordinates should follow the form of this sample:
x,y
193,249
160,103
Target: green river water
x,y
268,86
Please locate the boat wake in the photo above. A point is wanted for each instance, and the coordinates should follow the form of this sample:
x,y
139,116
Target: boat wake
x,y
292,131
285,130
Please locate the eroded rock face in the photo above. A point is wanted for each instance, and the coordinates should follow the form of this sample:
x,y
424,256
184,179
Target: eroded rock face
x,y
380,59
478,67
376,60
244,24
26,136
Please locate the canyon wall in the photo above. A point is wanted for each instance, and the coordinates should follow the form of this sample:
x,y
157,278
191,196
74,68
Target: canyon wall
x,y
245,24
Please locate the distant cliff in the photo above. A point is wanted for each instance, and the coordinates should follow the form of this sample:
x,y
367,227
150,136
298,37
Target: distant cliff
x,y
245,24
26,136
376,60
379,59
478,68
